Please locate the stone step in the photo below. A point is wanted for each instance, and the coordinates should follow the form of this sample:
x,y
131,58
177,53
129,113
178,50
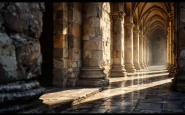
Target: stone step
x,y
134,80
147,72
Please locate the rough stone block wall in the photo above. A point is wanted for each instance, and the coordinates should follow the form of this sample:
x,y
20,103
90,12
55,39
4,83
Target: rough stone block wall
x,y
106,36
20,56
60,45
74,42
67,43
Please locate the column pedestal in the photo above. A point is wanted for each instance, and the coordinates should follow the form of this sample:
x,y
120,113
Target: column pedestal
x,y
118,71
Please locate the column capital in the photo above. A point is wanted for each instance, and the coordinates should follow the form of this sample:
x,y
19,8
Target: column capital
x,y
129,25
117,14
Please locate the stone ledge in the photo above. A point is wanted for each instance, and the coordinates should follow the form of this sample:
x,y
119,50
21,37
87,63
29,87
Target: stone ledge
x,y
59,99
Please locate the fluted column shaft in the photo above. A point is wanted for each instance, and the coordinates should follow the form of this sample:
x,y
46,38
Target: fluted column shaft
x,y
136,49
118,69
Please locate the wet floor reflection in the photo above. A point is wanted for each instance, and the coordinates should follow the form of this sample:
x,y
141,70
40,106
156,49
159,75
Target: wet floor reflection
x,y
139,93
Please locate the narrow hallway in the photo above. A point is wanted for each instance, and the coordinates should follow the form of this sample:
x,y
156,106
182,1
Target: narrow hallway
x,y
148,91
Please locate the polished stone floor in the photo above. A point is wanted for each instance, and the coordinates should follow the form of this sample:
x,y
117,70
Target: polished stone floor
x,y
147,91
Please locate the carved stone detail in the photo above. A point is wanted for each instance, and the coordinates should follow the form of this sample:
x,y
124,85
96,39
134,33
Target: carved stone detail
x,y
117,14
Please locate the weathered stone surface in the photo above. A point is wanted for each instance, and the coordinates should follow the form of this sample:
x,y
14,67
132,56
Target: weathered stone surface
x,y
28,16
8,63
20,56
67,38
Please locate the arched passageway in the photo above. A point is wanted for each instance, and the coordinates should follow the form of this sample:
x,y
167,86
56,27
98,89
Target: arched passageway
x,y
157,47
89,45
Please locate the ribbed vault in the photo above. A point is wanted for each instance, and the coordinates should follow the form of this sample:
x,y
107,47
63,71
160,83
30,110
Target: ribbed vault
x,y
151,16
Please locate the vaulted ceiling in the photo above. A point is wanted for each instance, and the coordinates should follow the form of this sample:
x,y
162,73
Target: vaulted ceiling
x,y
150,16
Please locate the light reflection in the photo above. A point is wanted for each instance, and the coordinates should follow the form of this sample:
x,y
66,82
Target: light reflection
x,y
139,77
124,90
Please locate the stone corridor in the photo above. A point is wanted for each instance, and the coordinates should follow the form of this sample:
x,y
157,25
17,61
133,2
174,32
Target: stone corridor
x,y
146,91
92,57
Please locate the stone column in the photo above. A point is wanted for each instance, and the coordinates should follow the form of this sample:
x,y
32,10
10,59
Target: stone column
x,y
168,49
144,51
147,53
21,58
173,66
129,66
118,69
136,49
141,50
92,72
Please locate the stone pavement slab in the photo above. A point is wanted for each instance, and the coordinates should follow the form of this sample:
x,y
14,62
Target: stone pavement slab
x,y
60,97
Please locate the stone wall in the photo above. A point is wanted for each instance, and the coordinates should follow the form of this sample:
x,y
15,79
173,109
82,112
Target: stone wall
x,y
74,42
20,56
106,36
67,43
60,43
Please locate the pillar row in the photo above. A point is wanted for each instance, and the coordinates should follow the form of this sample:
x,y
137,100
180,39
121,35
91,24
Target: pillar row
x,y
118,69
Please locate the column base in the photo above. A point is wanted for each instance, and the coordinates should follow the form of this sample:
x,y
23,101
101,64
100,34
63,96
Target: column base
x,y
142,66
130,68
93,82
170,67
137,66
92,73
118,71
167,66
172,71
92,77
